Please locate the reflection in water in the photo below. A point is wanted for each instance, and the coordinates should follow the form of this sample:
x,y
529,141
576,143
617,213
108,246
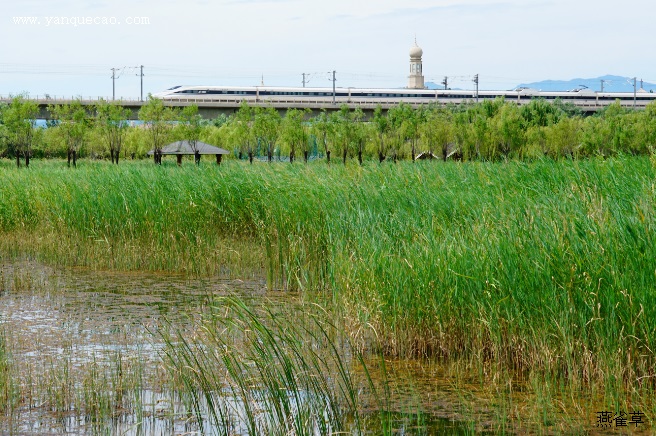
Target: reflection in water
x,y
89,340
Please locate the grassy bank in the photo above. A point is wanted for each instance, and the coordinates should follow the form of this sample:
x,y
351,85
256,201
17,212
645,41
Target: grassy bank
x,y
547,266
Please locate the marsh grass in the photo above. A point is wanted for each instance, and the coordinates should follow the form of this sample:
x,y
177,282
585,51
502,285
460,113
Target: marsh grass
x,y
254,371
9,392
544,269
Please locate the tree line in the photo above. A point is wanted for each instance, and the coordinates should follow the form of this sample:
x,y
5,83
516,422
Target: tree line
x,y
491,130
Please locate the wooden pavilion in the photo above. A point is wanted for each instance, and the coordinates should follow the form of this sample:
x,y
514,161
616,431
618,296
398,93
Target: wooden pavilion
x,y
181,148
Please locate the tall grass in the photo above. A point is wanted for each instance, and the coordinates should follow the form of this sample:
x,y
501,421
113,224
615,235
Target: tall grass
x,y
9,396
257,372
545,266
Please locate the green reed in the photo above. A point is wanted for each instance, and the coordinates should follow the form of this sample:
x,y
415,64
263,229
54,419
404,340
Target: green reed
x,y
256,372
9,395
546,266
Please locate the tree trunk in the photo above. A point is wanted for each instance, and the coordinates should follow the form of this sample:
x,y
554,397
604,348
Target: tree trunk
x,y
111,154
305,156
197,157
74,159
155,156
69,158
360,156
118,153
240,155
381,157
18,159
291,157
328,157
344,156
27,159
250,157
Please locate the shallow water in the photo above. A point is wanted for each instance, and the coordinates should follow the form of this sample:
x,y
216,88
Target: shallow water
x,y
61,324
74,335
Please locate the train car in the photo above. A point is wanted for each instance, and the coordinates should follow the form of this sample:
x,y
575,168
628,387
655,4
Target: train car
x,y
368,96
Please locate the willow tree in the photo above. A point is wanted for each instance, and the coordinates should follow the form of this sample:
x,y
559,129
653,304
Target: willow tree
x,y
345,129
437,130
266,127
111,120
396,117
294,132
19,120
510,130
191,126
158,120
322,128
73,124
382,128
242,131
359,132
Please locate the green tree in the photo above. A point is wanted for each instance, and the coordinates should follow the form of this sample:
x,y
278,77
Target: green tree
x,y
73,124
509,130
294,133
382,129
346,129
402,121
464,132
359,132
437,130
540,113
190,127
647,127
323,129
19,120
266,127
158,120
242,134
564,137
111,120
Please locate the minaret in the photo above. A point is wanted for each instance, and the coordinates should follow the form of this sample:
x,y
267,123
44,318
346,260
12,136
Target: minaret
x,y
416,77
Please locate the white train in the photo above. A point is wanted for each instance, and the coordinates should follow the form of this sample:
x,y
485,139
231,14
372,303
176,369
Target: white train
x,y
390,96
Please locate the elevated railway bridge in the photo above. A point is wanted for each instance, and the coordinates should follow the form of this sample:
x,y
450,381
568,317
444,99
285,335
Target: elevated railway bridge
x,y
214,106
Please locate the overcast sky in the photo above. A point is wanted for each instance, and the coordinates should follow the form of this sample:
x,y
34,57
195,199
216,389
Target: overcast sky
x,y
236,42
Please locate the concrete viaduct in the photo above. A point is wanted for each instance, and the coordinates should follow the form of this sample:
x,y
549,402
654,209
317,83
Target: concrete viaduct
x,y
210,109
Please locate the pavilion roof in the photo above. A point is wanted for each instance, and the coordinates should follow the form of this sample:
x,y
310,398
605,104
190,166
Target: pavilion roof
x,y
184,147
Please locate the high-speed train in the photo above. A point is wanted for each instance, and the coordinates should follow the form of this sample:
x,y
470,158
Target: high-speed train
x,y
389,96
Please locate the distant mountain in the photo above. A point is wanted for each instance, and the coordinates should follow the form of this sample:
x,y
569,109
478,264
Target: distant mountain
x,y
611,84
433,85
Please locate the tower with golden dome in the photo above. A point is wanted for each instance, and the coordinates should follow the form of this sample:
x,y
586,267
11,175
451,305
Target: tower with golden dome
x,y
416,77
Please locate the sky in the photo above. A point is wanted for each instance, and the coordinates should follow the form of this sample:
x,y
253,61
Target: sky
x,y
71,46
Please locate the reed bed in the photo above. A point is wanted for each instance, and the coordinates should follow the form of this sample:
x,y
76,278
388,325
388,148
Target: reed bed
x,y
547,266
255,372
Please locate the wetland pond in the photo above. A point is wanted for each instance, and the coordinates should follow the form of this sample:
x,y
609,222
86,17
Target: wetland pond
x,y
98,352
85,354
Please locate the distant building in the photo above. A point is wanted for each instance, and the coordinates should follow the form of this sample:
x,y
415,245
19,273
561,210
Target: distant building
x,y
416,77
